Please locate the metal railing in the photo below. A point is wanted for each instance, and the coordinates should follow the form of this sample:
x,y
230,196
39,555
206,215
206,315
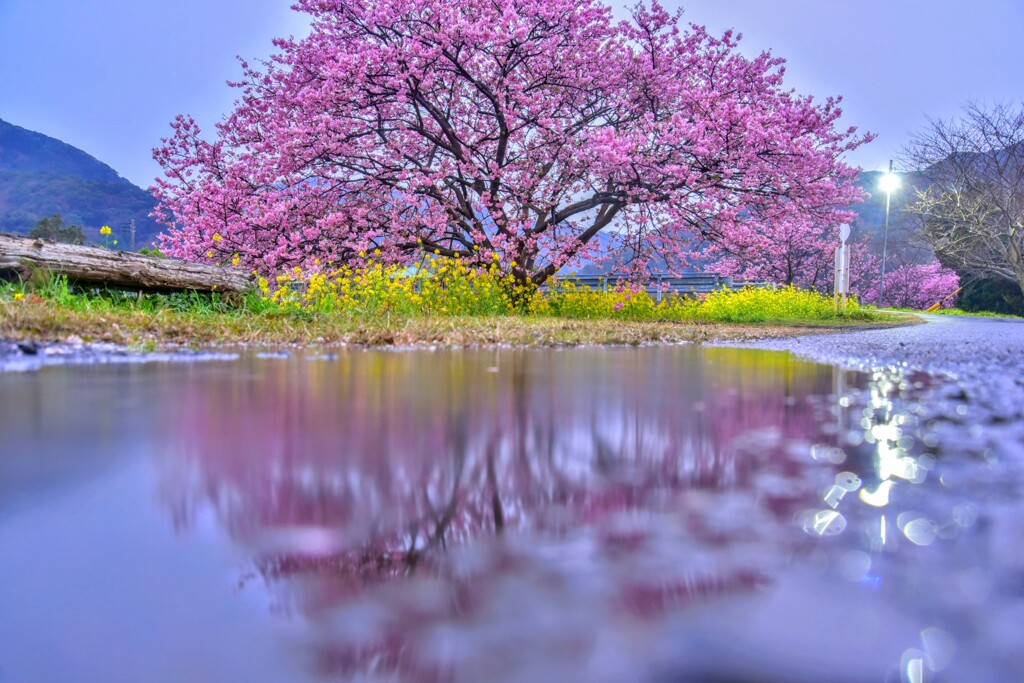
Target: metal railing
x,y
658,285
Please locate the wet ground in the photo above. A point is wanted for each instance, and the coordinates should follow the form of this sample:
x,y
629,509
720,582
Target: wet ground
x,y
656,514
978,363
30,356
972,349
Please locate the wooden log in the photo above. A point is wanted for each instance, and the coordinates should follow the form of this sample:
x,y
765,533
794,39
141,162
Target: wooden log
x,y
101,267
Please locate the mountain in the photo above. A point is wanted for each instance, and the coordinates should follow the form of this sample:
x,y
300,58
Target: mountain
x,y
41,176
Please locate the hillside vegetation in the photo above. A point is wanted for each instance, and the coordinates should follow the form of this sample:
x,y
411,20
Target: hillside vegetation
x,y
41,176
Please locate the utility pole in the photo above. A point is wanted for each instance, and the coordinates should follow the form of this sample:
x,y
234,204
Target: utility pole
x,y
131,232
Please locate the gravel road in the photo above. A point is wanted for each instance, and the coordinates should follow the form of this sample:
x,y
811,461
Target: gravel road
x,y
979,361
976,388
978,350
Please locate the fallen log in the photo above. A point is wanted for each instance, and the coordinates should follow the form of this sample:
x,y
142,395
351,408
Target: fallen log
x,y
23,257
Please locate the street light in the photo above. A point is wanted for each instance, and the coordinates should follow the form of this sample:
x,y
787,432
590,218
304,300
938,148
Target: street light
x,y
889,183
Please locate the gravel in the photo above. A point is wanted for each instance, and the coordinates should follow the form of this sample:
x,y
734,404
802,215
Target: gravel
x,y
977,361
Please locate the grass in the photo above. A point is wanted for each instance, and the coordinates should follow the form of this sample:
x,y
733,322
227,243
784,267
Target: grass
x,y
958,312
443,309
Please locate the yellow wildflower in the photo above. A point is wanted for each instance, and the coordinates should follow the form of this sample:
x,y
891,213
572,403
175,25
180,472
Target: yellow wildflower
x,y
217,237
18,296
105,230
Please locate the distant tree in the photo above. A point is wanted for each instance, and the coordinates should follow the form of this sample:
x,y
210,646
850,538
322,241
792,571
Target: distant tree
x,y
53,228
795,253
972,211
504,131
919,286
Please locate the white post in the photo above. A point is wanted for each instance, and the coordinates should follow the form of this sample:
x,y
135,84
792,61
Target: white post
x,y
842,281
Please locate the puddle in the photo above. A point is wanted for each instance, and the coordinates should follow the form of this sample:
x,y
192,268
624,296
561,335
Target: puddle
x,y
654,514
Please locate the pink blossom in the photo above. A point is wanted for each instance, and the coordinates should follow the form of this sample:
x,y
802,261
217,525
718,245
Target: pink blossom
x,y
518,127
920,286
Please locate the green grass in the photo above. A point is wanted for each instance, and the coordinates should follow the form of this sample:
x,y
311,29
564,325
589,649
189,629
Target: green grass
x,y
958,312
54,310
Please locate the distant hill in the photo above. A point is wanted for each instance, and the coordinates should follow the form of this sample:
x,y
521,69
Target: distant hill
x,y
41,176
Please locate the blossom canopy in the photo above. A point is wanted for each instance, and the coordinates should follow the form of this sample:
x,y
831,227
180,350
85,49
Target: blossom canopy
x,y
510,129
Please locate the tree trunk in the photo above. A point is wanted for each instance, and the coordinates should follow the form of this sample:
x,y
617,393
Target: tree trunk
x,y
101,267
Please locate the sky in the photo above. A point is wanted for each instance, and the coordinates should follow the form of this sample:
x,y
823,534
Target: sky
x,y
108,77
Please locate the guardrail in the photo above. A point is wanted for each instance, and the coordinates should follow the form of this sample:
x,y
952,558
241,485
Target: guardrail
x,y
659,285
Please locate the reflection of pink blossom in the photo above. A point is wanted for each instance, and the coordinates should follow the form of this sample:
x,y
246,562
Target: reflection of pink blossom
x,y
450,500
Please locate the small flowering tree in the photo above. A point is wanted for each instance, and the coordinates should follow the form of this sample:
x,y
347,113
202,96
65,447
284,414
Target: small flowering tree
x,y
920,286
798,252
864,267
508,130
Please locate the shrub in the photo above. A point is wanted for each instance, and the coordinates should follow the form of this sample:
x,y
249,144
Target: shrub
x,y
450,287
920,286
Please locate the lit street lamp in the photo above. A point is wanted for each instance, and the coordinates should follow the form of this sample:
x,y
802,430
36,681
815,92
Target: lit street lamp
x,y
888,184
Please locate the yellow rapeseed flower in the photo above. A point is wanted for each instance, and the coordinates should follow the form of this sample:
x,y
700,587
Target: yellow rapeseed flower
x,y
105,230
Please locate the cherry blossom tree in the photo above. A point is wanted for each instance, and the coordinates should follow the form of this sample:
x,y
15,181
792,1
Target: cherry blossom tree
x,y
921,285
509,131
796,252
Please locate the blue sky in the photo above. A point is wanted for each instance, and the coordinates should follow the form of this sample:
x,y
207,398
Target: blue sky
x,y
109,76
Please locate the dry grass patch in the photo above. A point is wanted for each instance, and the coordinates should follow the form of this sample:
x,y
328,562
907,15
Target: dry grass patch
x,y
40,319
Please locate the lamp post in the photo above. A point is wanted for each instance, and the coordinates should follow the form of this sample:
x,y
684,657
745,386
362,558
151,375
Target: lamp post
x,y
889,183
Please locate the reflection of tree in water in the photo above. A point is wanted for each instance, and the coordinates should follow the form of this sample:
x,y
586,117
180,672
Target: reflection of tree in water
x,y
614,492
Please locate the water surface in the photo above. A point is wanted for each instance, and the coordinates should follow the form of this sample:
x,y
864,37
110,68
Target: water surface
x,y
658,514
